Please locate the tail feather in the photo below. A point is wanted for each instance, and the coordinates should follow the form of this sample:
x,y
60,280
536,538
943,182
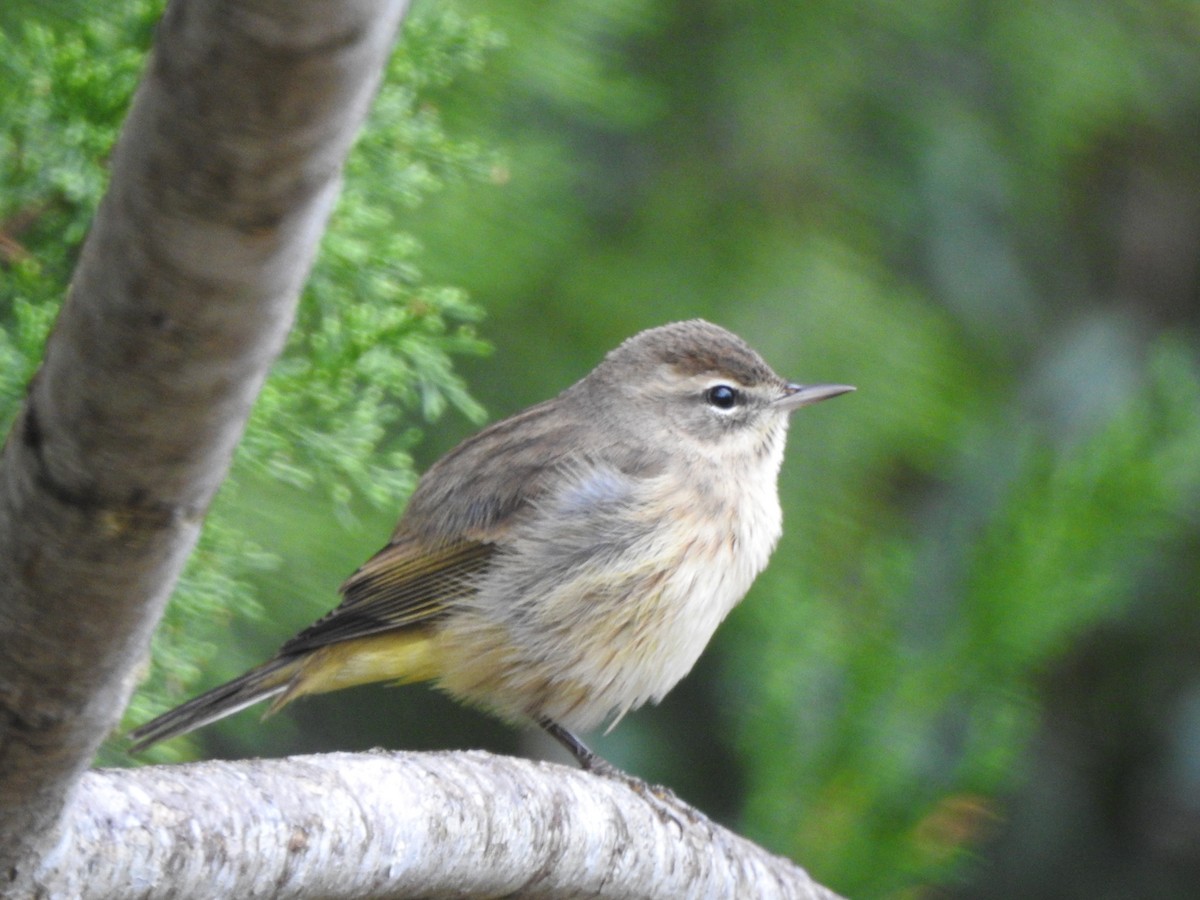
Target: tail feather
x,y
258,684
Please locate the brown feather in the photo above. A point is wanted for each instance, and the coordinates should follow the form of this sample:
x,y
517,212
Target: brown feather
x,y
405,584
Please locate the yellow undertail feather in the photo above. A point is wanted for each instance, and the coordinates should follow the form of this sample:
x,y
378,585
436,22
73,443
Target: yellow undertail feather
x,y
400,656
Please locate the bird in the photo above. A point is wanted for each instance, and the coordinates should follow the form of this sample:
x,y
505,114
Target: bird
x,y
568,564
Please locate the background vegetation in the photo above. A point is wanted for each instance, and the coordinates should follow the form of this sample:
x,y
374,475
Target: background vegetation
x,y
972,667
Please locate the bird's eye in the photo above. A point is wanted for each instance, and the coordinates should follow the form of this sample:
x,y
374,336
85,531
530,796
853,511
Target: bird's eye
x,y
722,396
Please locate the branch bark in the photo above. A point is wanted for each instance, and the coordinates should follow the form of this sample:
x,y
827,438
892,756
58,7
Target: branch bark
x,y
388,825
222,180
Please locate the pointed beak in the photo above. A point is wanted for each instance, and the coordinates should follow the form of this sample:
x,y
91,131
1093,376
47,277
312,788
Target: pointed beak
x,y
798,395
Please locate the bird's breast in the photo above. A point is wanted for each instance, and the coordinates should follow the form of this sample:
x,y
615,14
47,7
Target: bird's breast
x,y
588,616
719,544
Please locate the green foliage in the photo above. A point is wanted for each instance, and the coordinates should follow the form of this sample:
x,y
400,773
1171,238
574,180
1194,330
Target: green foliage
x,y
374,342
64,87
928,664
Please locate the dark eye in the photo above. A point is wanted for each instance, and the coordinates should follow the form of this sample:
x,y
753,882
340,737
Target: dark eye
x,y
722,396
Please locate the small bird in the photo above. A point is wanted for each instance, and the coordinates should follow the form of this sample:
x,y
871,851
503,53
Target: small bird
x,y
570,563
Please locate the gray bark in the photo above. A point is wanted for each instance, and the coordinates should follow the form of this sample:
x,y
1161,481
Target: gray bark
x,y
222,180
386,825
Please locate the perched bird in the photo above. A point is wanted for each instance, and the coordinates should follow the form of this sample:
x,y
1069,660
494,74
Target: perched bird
x,y
570,563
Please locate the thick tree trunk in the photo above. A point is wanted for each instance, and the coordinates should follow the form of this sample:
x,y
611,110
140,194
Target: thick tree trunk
x,y
222,182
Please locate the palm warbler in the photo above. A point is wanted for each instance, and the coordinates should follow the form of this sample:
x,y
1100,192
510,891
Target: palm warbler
x,y
568,564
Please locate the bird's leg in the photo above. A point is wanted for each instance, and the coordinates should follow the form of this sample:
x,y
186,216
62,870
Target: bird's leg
x,y
589,760
662,798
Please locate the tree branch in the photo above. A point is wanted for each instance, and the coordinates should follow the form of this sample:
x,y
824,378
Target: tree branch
x,y
222,180
397,825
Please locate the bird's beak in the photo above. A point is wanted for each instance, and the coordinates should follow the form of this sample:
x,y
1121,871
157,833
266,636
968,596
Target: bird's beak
x,y
798,395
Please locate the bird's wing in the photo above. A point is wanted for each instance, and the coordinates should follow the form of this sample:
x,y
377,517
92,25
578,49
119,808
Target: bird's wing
x,y
485,487
405,584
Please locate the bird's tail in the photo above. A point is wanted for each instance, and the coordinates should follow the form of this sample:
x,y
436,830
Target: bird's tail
x,y
269,679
